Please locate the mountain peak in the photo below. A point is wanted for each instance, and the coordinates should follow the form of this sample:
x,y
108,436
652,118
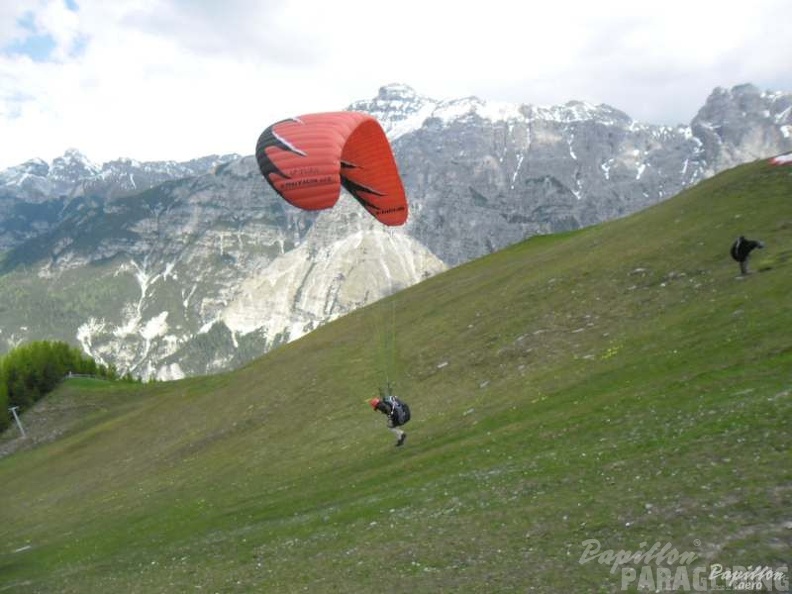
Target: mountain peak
x,y
75,156
396,91
397,107
73,164
20,174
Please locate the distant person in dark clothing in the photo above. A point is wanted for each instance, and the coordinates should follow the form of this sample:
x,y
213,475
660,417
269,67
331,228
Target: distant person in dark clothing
x,y
398,414
741,250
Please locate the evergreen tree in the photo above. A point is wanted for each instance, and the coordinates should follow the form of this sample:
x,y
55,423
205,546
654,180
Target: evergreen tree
x,y
5,415
31,371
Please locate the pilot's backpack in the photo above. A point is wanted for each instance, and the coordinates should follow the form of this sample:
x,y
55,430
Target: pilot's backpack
x,y
401,412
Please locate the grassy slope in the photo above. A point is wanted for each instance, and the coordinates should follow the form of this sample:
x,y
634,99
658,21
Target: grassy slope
x,y
619,383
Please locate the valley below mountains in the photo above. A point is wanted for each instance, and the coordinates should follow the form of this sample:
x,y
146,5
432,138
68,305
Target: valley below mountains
x,y
167,270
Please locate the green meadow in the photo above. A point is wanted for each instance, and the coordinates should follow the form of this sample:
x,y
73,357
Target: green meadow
x,y
621,384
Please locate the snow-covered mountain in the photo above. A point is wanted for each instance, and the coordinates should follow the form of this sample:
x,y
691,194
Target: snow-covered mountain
x,y
510,171
174,269
199,274
72,179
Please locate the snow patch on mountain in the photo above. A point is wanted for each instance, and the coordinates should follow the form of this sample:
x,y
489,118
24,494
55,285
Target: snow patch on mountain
x,y
85,336
400,111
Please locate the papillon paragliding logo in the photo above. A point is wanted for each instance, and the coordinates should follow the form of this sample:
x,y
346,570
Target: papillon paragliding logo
x,y
308,159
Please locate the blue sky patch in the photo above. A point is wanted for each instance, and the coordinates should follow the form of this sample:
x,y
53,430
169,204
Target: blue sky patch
x,y
39,46
35,45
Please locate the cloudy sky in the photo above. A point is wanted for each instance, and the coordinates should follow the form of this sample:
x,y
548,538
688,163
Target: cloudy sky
x,y
177,79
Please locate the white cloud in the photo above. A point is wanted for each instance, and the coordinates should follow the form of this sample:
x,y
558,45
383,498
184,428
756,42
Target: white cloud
x,y
158,79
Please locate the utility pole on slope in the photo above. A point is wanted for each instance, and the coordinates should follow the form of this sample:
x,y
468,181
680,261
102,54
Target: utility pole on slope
x,y
13,410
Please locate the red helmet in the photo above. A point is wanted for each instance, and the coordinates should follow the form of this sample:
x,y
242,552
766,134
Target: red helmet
x,y
374,402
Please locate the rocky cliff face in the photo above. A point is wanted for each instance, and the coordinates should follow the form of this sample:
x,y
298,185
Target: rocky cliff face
x,y
201,274
35,195
174,269
489,175
742,124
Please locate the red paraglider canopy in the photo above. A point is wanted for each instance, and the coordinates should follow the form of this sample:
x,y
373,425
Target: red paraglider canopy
x,y
308,158
785,159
